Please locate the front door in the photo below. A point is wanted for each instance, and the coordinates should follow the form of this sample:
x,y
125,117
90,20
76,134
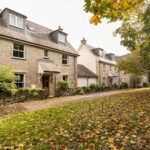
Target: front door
x,y
48,83
45,82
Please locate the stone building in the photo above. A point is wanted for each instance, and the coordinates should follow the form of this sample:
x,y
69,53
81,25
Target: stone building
x,y
39,56
99,62
103,64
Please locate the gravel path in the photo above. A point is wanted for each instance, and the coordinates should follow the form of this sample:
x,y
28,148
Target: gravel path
x,y
42,104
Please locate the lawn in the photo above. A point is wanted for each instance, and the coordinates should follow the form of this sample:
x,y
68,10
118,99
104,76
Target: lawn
x,y
120,121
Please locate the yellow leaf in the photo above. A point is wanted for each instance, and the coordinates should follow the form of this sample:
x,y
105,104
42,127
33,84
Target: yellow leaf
x,y
111,140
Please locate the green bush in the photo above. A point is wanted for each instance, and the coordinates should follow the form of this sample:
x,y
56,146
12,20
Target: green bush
x,y
63,84
93,87
7,80
145,84
124,85
24,94
115,86
81,91
86,90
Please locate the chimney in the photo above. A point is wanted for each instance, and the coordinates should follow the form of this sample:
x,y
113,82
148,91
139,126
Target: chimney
x,y
60,29
83,41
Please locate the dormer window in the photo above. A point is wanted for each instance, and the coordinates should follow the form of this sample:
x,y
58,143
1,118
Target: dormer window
x,y
61,38
15,21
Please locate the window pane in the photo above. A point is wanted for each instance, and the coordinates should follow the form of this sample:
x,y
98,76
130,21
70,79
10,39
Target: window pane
x,y
15,53
19,22
12,20
65,78
20,82
61,38
16,46
18,50
21,54
21,47
64,61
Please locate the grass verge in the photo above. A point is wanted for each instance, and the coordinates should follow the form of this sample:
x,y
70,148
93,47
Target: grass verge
x,y
120,121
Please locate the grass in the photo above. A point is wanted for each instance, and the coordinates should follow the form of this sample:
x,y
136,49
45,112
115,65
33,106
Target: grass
x,y
120,121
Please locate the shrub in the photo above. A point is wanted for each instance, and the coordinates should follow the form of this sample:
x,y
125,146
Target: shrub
x,y
86,90
7,80
24,94
63,84
145,84
124,85
115,86
92,87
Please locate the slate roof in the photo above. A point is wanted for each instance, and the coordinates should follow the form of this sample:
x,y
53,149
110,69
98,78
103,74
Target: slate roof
x,y
104,58
40,35
82,71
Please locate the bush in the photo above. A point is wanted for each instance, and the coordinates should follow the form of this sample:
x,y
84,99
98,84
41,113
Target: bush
x,y
86,90
24,94
93,88
124,85
81,91
63,84
145,84
7,80
115,86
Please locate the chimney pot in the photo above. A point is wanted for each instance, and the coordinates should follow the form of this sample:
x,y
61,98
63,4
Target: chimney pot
x,y
83,41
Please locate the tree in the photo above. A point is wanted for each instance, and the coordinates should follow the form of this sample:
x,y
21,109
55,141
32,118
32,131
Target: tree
x,y
135,35
113,10
7,79
133,63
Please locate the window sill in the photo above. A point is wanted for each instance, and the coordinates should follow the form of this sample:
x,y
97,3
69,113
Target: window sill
x,y
18,58
21,28
45,57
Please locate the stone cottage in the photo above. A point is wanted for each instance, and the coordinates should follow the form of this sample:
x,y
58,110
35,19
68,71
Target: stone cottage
x,y
39,56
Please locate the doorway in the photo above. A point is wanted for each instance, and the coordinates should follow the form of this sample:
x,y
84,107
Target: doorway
x,y
45,82
48,83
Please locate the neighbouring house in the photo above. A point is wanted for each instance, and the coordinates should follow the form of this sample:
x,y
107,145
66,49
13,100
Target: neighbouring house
x,y
104,65
40,57
99,62
85,76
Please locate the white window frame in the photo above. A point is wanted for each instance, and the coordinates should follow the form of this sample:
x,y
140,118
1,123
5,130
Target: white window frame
x,y
66,59
24,79
16,24
24,51
61,38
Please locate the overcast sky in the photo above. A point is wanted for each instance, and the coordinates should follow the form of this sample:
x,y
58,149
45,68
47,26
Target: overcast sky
x,y
70,15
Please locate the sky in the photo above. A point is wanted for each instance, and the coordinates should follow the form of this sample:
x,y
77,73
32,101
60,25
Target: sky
x,y
70,15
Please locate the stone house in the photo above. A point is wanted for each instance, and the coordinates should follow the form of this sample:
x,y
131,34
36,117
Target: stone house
x,y
103,64
39,56
99,62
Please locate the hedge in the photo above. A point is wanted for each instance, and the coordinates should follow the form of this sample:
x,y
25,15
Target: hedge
x,y
22,95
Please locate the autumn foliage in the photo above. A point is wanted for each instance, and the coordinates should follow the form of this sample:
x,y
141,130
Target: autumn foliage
x,y
116,122
112,10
